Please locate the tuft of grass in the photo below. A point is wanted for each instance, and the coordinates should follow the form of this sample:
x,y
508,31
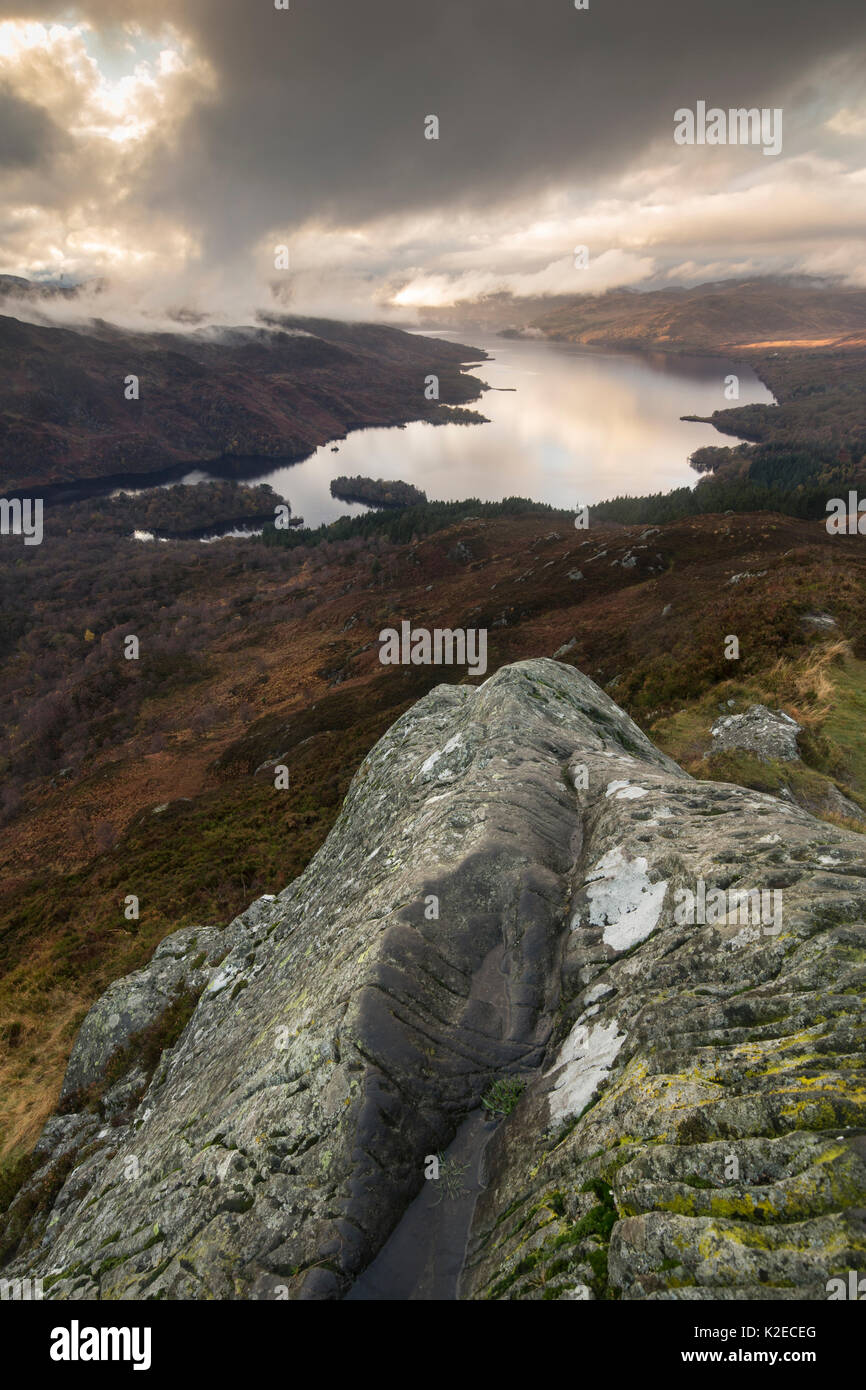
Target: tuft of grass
x,y
847,719
37,1200
807,684
501,1097
452,1174
14,1172
824,689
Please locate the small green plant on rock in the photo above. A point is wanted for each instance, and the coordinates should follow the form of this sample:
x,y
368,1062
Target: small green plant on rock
x,y
501,1097
451,1176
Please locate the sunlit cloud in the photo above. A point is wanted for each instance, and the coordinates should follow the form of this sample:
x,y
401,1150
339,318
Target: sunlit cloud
x,y
81,217
160,160
612,269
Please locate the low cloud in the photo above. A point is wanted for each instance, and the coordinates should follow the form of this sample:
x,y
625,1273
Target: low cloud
x,y
613,269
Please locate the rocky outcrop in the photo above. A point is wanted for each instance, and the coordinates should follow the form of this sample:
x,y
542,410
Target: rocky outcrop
x,y
181,966
768,733
519,885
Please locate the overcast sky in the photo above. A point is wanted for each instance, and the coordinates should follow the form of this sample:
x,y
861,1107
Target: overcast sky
x,y
170,154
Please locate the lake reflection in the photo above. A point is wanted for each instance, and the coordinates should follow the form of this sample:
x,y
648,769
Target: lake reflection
x,y
569,426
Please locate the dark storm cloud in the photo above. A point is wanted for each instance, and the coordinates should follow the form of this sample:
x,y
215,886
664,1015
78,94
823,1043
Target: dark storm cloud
x,y
27,135
193,136
318,110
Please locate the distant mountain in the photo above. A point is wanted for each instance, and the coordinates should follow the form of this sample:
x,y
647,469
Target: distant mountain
x,y
277,392
757,313
763,313
16,287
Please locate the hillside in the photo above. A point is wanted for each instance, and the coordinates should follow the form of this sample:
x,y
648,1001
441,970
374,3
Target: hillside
x,y
727,316
273,392
761,314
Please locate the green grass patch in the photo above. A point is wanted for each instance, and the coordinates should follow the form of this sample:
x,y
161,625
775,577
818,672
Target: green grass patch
x,y
503,1095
